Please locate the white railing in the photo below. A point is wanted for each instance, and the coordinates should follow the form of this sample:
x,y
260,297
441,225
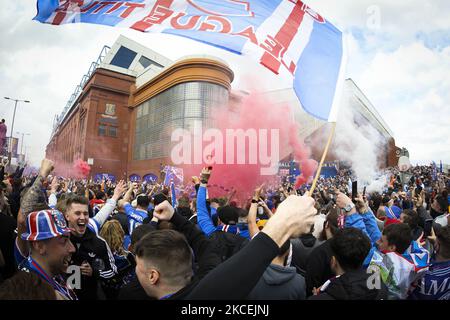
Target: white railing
x,y
78,89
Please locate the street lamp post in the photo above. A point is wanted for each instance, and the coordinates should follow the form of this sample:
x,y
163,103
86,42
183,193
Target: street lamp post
x,y
12,124
23,140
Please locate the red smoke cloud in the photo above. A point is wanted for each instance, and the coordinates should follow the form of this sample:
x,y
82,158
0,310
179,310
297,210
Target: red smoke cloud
x,y
79,169
254,112
302,154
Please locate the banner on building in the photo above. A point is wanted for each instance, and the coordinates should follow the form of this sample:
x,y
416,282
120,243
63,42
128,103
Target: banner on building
x,y
12,147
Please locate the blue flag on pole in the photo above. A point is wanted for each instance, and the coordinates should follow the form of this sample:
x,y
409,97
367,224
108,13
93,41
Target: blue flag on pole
x,y
285,36
173,175
173,195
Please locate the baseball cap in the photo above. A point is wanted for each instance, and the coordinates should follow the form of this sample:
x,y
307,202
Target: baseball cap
x,y
159,198
45,224
228,214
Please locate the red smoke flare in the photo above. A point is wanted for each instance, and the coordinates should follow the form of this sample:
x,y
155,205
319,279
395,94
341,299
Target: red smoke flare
x,y
81,168
254,112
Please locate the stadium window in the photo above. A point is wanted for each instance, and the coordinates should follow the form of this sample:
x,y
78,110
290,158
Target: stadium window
x,y
102,130
112,131
145,62
123,58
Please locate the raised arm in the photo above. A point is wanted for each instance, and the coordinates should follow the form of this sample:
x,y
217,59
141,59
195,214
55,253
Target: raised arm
x,y
34,193
87,191
369,220
52,200
365,222
251,219
105,212
204,220
127,196
28,203
266,209
196,182
352,218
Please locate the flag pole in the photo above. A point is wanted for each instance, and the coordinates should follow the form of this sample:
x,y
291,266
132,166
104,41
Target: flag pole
x,y
324,155
334,110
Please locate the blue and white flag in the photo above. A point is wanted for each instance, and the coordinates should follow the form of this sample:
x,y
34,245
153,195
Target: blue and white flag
x,y
434,171
173,195
285,36
173,175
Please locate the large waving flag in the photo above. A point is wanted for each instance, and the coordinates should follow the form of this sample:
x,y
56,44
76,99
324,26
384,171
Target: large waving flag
x,y
285,36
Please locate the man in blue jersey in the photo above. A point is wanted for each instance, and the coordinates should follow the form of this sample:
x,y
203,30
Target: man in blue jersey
x,y
394,254
228,216
136,215
435,283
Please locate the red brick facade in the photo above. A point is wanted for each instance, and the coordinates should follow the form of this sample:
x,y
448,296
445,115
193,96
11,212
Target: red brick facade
x,y
79,136
86,131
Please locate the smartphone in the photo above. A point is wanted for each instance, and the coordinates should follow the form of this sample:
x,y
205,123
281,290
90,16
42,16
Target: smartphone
x,y
418,190
354,190
260,210
209,168
427,228
364,191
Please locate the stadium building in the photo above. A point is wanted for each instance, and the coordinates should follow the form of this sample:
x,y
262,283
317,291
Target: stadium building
x,y
120,117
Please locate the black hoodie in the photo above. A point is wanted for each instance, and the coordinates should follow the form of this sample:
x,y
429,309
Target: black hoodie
x,y
279,283
352,285
318,269
301,249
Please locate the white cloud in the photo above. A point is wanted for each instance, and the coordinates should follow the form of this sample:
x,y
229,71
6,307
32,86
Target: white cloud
x,y
411,89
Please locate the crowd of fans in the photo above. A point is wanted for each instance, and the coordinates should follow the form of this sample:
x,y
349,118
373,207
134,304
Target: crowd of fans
x,y
75,239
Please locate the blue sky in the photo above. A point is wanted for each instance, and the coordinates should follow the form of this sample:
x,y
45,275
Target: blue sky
x,y
399,55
